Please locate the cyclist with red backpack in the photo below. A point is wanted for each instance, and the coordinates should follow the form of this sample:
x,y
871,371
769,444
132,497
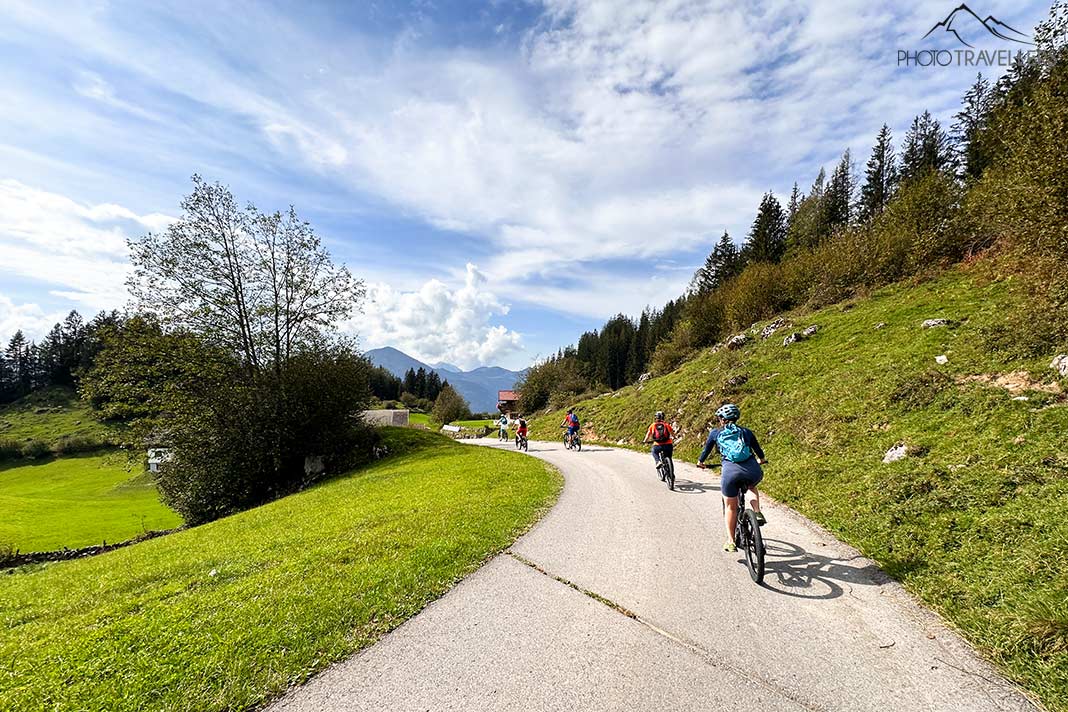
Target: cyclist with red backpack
x,y
571,422
662,437
742,458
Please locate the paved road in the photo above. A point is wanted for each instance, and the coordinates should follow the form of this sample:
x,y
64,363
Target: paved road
x,y
621,599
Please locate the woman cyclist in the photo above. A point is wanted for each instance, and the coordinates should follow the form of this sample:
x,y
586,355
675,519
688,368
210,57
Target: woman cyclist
x,y
742,457
520,429
571,422
662,437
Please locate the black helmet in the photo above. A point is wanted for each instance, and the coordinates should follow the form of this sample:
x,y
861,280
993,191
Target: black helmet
x,y
659,415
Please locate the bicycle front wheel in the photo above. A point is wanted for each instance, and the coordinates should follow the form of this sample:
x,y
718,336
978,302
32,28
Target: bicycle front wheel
x,y
753,541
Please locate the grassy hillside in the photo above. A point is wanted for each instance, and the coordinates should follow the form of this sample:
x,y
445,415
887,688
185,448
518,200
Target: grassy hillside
x,y
975,521
55,417
228,614
77,501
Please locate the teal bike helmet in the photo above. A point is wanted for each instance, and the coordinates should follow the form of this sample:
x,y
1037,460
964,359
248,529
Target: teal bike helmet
x,y
729,412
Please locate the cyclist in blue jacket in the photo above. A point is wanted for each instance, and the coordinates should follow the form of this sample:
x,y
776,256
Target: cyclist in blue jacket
x,y
742,457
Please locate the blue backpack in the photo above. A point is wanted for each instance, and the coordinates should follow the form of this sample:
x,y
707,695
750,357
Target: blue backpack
x,y
731,444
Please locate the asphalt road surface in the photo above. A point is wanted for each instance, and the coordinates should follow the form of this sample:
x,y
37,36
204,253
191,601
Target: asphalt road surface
x,y
622,599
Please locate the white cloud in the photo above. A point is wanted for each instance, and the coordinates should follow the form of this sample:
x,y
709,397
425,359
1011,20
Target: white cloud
x,y
439,323
79,250
614,131
31,319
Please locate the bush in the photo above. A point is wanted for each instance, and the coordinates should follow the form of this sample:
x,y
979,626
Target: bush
x,y
670,354
450,406
1023,197
756,294
243,441
10,449
34,449
558,376
73,444
413,402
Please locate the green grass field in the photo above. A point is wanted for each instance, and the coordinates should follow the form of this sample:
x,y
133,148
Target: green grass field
x,y
425,419
226,615
975,523
50,415
474,424
77,501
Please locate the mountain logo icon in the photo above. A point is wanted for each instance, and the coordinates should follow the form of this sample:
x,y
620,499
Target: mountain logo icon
x,y
965,25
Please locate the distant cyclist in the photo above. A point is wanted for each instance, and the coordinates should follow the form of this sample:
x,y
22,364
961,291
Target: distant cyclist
x,y
520,428
502,426
571,422
742,458
662,437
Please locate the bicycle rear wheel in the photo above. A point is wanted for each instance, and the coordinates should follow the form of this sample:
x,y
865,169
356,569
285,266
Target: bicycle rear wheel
x,y
671,473
753,541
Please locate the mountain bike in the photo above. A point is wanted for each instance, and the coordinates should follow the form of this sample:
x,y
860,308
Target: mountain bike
x,y
520,442
665,468
572,442
748,538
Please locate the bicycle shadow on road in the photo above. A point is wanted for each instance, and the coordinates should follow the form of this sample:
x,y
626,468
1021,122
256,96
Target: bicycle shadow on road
x,y
692,487
792,571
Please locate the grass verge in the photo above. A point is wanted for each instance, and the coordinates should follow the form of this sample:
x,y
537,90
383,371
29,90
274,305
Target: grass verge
x,y
229,614
975,521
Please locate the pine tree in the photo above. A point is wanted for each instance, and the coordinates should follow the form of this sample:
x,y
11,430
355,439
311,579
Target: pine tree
x,y
793,205
880,176
926,148
721,264
969,124
838,201
420,382
767,238
19,354
808,226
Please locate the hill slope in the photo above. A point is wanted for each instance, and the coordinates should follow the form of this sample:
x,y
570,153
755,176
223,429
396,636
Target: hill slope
x,y
975,521
55,417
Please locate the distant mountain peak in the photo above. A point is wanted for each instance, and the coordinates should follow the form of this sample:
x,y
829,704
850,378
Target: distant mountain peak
x,y
479,387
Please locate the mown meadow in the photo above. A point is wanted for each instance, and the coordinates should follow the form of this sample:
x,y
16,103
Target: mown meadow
x,y
229,614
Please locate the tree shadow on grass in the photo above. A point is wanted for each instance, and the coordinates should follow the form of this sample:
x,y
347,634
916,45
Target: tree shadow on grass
x,y
792,571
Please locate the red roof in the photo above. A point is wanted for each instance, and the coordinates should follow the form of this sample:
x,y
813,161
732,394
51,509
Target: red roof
x,y
505,396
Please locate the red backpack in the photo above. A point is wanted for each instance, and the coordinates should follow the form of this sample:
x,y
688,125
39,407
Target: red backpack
x,y
661,434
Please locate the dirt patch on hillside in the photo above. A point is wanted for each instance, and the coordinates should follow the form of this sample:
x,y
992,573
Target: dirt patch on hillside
x,y
1015,383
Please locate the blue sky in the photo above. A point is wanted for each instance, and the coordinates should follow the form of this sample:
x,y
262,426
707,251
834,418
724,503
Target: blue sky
x,y
503,175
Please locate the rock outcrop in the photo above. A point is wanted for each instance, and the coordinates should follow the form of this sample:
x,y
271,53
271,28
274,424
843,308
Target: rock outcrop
x,y
771,328
738,341
1060,364
933,323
